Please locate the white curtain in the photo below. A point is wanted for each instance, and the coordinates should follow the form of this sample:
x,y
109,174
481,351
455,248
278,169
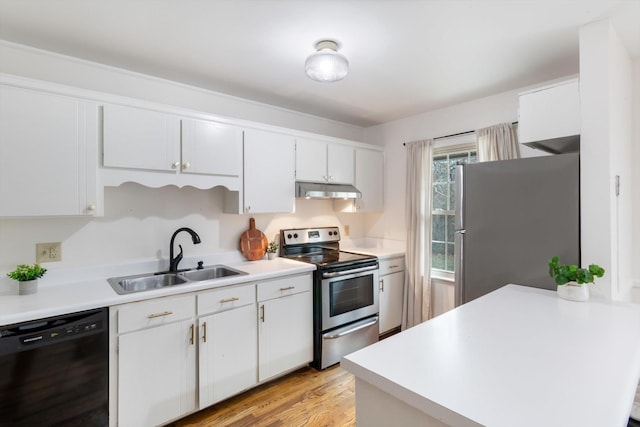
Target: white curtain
x,y
499,142
417,282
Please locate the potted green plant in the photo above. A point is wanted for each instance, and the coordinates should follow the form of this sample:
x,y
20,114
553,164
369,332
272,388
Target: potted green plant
x,y
272,249
27,277
572,280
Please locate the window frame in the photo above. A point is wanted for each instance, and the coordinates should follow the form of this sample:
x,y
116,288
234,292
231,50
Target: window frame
x,y
449,146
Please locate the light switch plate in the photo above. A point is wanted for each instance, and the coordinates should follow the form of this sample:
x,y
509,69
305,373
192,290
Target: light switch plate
x,y
48,252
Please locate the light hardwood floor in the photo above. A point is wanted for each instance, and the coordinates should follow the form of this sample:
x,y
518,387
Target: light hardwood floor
x,y
306,397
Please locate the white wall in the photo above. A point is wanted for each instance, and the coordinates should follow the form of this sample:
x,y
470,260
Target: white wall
x,y
139,221
606,90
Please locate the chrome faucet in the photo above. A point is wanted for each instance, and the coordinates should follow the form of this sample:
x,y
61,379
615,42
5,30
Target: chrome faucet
x,y
173,262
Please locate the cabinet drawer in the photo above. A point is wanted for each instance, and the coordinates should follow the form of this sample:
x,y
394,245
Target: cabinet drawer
x,y
226,298
282,287
391,265
155,312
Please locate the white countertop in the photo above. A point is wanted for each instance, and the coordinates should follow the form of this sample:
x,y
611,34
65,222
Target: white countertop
x,y
518,356
79,291
381,253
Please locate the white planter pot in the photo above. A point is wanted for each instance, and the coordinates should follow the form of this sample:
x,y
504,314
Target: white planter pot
x,y
28,287
271,255
573,292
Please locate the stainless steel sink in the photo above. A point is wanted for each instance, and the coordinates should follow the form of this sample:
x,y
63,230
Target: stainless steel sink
x,y
212,272
144,282
150,281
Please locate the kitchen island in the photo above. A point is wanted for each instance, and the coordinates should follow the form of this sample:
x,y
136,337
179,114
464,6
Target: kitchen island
x,y
518,356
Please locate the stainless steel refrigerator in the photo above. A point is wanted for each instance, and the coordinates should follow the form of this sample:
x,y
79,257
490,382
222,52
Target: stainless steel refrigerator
x,y
512,216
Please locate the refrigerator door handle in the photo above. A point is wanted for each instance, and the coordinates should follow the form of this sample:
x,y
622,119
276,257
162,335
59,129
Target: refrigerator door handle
x,y
459,218
459,268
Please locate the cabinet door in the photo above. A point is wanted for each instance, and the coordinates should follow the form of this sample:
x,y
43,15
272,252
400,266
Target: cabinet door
x,y
140,139
285,334
228,354
48,157
269,172
391,292
369,180
156,374
311,160
552,112
211,148
340,164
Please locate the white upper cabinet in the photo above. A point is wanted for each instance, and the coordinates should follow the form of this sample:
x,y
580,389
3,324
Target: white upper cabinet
x,y
140,139
155,148
369,180
549,113
322,161
211,148
269,172
48,154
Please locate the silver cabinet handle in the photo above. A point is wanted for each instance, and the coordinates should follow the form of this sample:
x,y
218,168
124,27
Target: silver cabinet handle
x,y
175,165
381,285
186,165
164,313
288,288
394,266
232,299
193,331
262,313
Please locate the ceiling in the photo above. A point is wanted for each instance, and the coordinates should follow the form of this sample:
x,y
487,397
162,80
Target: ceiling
x,y
406,57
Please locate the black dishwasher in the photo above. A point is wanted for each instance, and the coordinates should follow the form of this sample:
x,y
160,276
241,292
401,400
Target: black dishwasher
x,y
55,371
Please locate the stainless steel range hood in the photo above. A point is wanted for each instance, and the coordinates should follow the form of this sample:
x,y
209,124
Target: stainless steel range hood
x,y
562,145
316,190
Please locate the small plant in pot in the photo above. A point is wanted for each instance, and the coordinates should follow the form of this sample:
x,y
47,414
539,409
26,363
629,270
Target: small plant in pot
x,y
272,249
28,276
572,280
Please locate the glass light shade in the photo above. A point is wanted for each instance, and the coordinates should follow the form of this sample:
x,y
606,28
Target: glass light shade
x,y
326,66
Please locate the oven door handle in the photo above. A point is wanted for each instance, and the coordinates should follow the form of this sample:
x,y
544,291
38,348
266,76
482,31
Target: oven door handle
x,y
352,330
347,272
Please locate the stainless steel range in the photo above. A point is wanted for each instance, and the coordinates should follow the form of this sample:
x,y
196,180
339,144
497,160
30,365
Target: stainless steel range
x,y
345,292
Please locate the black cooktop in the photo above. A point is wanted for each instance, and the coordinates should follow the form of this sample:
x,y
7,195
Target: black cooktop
x,y
326,258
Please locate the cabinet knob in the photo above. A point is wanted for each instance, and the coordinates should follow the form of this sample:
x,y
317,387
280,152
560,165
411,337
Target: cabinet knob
x,y
186,165
91,207
175,165
330,178
247,209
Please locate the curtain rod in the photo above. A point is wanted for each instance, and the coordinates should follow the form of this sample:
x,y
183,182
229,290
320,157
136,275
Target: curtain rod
x,y
456,134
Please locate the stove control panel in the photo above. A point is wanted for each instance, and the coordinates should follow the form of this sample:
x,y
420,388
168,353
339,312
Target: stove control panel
x,y
299,236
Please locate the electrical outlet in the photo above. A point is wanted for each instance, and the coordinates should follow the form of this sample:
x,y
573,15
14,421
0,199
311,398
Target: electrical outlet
x,y
346,230
48,252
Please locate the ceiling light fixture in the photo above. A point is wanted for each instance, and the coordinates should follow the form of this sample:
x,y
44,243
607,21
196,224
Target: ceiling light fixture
x,y
326,64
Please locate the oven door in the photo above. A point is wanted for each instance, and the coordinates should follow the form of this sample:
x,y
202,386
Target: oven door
x,y
348,295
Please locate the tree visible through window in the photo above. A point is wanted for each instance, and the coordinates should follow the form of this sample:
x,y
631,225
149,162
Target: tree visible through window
x,y
443,204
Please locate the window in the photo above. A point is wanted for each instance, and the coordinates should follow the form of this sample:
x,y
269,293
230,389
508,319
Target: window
x,y
443,202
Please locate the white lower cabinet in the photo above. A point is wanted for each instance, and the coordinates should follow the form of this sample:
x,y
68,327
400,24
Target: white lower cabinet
x,y
391,293
285,331
228,345
156,361
175,355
